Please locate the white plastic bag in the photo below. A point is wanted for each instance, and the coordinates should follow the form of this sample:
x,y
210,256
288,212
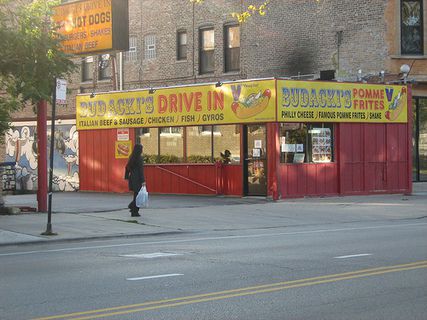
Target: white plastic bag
x,y
142,198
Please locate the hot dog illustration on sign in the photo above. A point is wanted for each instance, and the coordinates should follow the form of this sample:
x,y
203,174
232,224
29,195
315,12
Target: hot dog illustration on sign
x,y
251,105
396,106
123,149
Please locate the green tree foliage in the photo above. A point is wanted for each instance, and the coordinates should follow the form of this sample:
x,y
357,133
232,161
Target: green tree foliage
x,y
30,56
251,10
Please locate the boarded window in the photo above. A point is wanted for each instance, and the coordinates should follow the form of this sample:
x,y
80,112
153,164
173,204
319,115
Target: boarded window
x,y
207,51
232,48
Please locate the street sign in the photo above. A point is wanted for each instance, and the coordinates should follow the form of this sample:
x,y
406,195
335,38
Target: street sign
x,y
61,91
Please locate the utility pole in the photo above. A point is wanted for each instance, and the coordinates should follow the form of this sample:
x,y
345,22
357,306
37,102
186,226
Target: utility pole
x,y
42,156
42,144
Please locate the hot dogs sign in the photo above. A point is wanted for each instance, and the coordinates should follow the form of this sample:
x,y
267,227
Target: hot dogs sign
x,y
256,101
240,102
123,149
123,144
93,26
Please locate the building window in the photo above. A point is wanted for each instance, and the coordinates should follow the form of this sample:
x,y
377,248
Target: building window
x,y
207,50
131,55
149,138
204,144
207,130
181,49
104,66
306,143
87,69
171,131
227,142
232,48
207,146
142,132
150,46
199,146
171,145
411,27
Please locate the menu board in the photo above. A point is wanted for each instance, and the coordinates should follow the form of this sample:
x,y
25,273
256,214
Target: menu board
x,y
321,144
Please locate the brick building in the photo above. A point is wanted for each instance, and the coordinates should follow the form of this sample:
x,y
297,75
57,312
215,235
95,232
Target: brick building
x,y
177,42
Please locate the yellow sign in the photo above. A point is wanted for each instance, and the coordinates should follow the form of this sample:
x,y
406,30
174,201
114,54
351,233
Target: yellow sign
x,y
306,101
87,26
239,102
123,149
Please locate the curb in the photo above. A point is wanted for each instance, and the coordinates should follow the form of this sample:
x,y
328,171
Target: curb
x,y
101,237
9,211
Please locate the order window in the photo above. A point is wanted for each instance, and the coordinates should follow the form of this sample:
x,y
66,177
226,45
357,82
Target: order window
x,y
306,143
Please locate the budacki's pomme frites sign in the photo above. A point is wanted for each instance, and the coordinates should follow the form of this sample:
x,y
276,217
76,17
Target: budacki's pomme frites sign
x,y
304,101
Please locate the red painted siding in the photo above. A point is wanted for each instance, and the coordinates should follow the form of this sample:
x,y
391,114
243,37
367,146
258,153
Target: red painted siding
x,y
373,158
369,158
273,156
181,178
232,180
194,179
101,172
299,180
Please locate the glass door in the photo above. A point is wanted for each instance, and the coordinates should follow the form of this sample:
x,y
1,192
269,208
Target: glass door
x,y
255,164
419,140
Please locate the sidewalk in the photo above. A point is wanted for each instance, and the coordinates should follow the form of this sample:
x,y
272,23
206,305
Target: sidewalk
x,y
83,215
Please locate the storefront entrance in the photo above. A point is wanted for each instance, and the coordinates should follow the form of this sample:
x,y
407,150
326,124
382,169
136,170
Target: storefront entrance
x,y
255,160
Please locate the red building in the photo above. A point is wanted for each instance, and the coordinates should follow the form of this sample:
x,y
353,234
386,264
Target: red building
x,y
268,137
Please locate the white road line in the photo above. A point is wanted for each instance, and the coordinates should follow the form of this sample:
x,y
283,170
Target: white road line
x,y
354,256
155,277
213,238
151,255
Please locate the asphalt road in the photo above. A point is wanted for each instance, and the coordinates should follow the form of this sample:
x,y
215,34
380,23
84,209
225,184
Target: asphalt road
x,y
356,270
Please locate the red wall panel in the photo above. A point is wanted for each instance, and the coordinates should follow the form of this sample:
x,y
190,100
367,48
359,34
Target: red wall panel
x,y
299,180
181,178
397,153
98,168
194,179
377,161
232,180
100,171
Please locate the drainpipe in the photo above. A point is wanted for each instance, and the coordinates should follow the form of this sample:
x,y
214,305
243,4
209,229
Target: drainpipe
x,y
121,71
339,42
194,31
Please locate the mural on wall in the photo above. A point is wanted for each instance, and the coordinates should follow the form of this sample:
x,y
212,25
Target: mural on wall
x,y
21,147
